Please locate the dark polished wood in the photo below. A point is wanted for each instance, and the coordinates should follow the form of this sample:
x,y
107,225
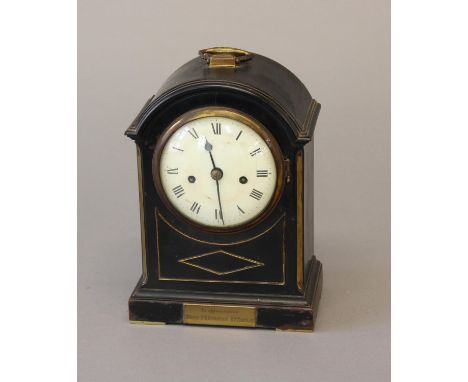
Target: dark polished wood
x,y
272,312
259,267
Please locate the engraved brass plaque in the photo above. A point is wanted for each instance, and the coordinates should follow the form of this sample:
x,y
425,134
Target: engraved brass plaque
x,y
207,314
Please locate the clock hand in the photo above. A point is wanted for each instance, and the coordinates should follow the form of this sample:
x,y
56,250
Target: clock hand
x,y
216,174
219,201
209,147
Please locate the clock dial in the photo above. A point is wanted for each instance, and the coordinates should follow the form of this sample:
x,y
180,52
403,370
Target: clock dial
x,y
218,172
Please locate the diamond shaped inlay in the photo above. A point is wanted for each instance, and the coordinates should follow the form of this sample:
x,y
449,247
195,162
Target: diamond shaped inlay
x,y
221,262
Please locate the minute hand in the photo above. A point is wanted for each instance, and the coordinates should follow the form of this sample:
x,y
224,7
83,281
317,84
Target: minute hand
x,y
219,201
216,175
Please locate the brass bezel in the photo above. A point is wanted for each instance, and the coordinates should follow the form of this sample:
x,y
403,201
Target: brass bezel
x,y
217,111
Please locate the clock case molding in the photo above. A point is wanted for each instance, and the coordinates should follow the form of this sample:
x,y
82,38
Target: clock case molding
x,y
265,263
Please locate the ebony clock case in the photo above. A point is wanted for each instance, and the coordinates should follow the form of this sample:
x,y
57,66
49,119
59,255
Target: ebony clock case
x,y
261,267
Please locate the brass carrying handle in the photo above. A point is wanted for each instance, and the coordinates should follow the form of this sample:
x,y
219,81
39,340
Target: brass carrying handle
x,y
224,57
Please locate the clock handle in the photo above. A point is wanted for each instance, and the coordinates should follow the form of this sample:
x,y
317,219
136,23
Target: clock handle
x,y
224,57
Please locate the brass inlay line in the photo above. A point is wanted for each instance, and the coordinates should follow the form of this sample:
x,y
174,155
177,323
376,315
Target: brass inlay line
x,y
254,264
137,322
214,242
221,281
300,218
157,214
295,330
142,215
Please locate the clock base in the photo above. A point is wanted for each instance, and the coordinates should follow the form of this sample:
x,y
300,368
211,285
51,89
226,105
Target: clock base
x,y
289,313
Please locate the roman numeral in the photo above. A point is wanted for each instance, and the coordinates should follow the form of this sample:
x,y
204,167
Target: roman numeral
x,y
262,173
256,194
216,128
238,135
195,207
193,133
173,171
255,152
240,209
218,215
178,191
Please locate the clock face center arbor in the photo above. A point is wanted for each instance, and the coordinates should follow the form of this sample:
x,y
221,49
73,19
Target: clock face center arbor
x,y
222,152
216,173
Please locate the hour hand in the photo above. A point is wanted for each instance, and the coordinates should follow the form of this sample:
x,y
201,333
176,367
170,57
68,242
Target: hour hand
x,y
208,146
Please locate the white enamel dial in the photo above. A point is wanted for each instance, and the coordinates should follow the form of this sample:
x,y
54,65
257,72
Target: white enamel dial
x,y
218,172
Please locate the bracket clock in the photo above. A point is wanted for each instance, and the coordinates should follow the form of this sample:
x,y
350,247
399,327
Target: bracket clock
x,y
223,151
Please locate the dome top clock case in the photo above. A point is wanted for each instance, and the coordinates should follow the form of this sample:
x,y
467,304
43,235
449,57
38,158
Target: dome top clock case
x,y
222,157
